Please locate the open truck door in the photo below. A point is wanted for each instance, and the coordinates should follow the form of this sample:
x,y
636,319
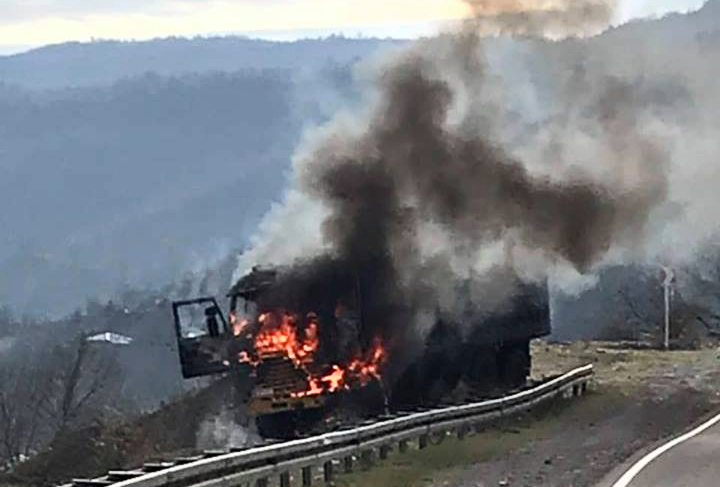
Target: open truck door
x,y
204,339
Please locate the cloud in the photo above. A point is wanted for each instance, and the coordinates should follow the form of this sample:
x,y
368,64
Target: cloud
x,y
13,11
52,21
656,8
37,22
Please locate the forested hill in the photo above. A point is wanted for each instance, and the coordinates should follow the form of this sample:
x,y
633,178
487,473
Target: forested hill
x,y
162,170
103,62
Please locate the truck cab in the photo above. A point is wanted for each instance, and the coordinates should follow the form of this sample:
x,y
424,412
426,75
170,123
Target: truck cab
x,y
210,342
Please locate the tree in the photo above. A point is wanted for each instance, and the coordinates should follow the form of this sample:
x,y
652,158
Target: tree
x,y
79,374
46,392
24,390
6,321
704,282
643,309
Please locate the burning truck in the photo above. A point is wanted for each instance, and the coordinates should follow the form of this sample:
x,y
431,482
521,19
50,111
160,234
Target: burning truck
x,y
304,338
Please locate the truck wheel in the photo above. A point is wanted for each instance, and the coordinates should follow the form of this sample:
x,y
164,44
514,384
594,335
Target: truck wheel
x,y
289,425
279,426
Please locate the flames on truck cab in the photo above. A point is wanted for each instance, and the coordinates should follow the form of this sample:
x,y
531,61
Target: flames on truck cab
x,y
294,361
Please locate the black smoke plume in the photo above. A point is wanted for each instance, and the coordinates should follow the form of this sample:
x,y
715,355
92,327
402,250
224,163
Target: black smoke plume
x,y
414,194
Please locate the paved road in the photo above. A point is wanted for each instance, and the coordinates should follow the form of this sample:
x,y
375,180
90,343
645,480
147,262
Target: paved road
x,y
690,460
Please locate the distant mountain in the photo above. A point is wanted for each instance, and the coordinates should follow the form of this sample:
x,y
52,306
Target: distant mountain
x,y
134,162
103,62
142,180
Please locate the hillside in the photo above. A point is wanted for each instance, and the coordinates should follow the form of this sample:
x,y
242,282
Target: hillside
x,y
103,62
132,163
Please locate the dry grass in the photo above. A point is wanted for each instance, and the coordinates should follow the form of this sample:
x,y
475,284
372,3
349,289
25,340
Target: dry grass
x,y
431,466
629,370
619,372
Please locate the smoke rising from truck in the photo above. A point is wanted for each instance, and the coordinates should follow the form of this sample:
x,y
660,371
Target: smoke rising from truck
x,y
426,189
537,18
479,164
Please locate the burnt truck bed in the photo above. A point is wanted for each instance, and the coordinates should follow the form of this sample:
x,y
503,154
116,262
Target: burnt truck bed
x,y
524,316
489,352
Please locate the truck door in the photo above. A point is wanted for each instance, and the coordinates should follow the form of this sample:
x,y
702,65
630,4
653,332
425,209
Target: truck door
x,y
203,337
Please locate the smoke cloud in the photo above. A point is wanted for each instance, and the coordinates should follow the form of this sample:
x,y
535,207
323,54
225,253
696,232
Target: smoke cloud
x,y
411,168
424,186
541,18
481,158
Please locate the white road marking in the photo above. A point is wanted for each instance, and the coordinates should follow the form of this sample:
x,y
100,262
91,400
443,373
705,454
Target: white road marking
x,y
628,476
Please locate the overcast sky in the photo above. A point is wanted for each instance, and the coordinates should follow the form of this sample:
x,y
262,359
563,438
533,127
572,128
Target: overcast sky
x,y
29,23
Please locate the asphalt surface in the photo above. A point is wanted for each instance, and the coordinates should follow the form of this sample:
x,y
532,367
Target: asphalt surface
x,y
690,460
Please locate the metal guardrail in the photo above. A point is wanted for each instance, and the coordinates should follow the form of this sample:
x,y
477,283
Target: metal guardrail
x,y
309,455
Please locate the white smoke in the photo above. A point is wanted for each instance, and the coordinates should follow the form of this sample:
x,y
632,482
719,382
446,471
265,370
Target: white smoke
x,y
223,431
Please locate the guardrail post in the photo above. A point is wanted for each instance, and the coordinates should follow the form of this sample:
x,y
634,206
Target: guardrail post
x,y
423,441
402,446
366,458
583,387
576,390
307,476
384,451
285,479
461,432
348,464
328,473
261,482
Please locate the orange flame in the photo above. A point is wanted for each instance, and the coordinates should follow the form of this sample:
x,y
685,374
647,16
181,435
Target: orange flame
x,y
237,326
360,370
364,370
279,336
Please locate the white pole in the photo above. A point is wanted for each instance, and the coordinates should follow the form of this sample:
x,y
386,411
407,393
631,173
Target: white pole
x,y
666,288
668,278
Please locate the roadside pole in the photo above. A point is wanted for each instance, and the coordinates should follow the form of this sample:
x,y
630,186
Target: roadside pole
x,y
668,277
667,316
